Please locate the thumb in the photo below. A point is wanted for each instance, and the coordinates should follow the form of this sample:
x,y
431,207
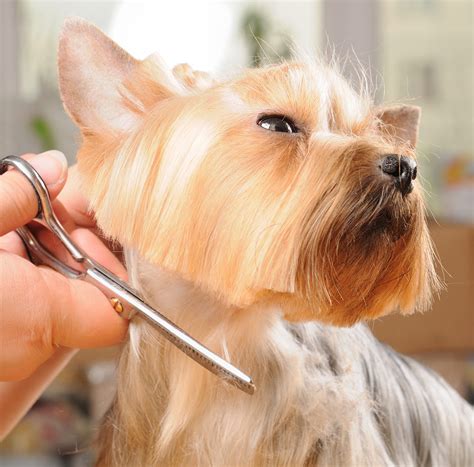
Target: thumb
x,y
18,202
80,315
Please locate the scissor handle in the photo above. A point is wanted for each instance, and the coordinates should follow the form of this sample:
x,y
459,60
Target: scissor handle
x,y
111,285
45,209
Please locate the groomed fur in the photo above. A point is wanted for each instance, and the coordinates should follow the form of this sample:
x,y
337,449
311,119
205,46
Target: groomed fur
x,y
235,232
326,396
249,215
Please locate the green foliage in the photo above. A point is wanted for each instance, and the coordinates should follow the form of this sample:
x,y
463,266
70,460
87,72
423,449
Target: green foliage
x,y
264,41
43,132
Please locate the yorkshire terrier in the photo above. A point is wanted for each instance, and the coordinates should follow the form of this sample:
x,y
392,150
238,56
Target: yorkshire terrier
x,y
267,215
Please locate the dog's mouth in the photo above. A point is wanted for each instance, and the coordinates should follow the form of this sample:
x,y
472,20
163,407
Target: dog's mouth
x,y
389,222
392,213
369,240
371,217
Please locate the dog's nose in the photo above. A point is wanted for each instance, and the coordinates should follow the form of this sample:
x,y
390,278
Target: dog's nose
x,y
402,169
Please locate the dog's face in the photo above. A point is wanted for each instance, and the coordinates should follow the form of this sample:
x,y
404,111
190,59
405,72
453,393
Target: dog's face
x,y
282,185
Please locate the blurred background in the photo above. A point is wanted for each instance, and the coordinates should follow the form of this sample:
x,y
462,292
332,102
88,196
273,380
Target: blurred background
x,y
415,51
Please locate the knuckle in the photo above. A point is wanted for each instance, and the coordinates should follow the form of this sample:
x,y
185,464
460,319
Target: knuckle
x,y
57,293
39,302
24,302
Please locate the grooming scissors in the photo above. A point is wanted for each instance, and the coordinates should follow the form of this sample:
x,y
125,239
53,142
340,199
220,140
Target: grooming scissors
x,y
124,299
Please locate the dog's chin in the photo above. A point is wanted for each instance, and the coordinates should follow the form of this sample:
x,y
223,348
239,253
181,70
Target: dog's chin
x,y
394,219
388,225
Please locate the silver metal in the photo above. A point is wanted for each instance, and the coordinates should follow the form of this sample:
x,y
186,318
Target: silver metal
x,y
110,284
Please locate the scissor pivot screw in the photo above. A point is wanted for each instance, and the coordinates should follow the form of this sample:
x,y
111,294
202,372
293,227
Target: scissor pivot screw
x,y
117,304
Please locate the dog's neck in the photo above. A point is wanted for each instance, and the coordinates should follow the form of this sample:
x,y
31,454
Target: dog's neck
x,y
194,404
325,395
197,312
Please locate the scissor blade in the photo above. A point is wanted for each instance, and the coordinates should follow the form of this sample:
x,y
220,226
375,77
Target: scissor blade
x,y
182,340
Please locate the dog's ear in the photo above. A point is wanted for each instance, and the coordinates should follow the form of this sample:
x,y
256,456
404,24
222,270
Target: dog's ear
x,y
401,121
91,70
101,85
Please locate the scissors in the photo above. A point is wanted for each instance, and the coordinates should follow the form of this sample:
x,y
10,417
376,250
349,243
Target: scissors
x,y
124,299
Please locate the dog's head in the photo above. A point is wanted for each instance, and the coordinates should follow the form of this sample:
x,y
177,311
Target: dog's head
x,y
281,185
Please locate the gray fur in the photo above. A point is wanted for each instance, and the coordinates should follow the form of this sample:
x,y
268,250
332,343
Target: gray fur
x,y
422,420
326,396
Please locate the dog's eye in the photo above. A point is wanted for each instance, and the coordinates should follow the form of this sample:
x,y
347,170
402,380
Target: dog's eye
x,y
278,123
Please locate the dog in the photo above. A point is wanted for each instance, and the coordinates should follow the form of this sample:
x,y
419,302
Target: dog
x,y
269,215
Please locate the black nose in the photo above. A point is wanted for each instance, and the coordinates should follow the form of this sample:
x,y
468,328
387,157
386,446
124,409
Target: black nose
x,y
402,168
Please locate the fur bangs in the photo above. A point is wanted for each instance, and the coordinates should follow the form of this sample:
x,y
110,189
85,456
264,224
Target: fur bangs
x,y
257,240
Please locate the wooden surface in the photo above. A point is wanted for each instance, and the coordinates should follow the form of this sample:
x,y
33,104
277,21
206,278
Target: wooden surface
x,y
449,326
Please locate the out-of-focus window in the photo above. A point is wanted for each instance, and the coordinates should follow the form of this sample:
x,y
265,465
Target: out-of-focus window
x,y
419,79
425,55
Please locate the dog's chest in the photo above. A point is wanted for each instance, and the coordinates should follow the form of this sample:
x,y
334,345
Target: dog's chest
x,y
302,379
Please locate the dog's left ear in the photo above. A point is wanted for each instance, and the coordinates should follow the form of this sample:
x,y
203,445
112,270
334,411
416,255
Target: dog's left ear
x,y
402,122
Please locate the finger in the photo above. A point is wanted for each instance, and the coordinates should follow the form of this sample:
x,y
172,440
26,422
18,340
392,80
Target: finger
x,y
85,239
73,199
42,310
12,243
18,202
76,218
96,249
80,315
63,216
24,342
78,209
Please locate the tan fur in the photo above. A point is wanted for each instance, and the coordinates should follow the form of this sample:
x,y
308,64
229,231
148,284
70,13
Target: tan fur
x,y
231,230
295,194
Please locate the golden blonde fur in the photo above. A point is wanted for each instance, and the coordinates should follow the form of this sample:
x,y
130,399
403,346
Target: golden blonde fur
x,y
233,232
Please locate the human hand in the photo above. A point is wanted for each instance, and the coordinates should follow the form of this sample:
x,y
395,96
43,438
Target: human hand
x,y
41,310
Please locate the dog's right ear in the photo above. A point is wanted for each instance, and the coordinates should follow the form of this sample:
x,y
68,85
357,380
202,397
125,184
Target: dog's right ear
x,y
97,80
92,69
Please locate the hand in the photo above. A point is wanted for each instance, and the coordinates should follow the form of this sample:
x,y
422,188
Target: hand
x,y
41,310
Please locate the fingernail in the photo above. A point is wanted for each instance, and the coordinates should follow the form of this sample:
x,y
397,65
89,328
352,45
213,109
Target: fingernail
x,y
51,165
